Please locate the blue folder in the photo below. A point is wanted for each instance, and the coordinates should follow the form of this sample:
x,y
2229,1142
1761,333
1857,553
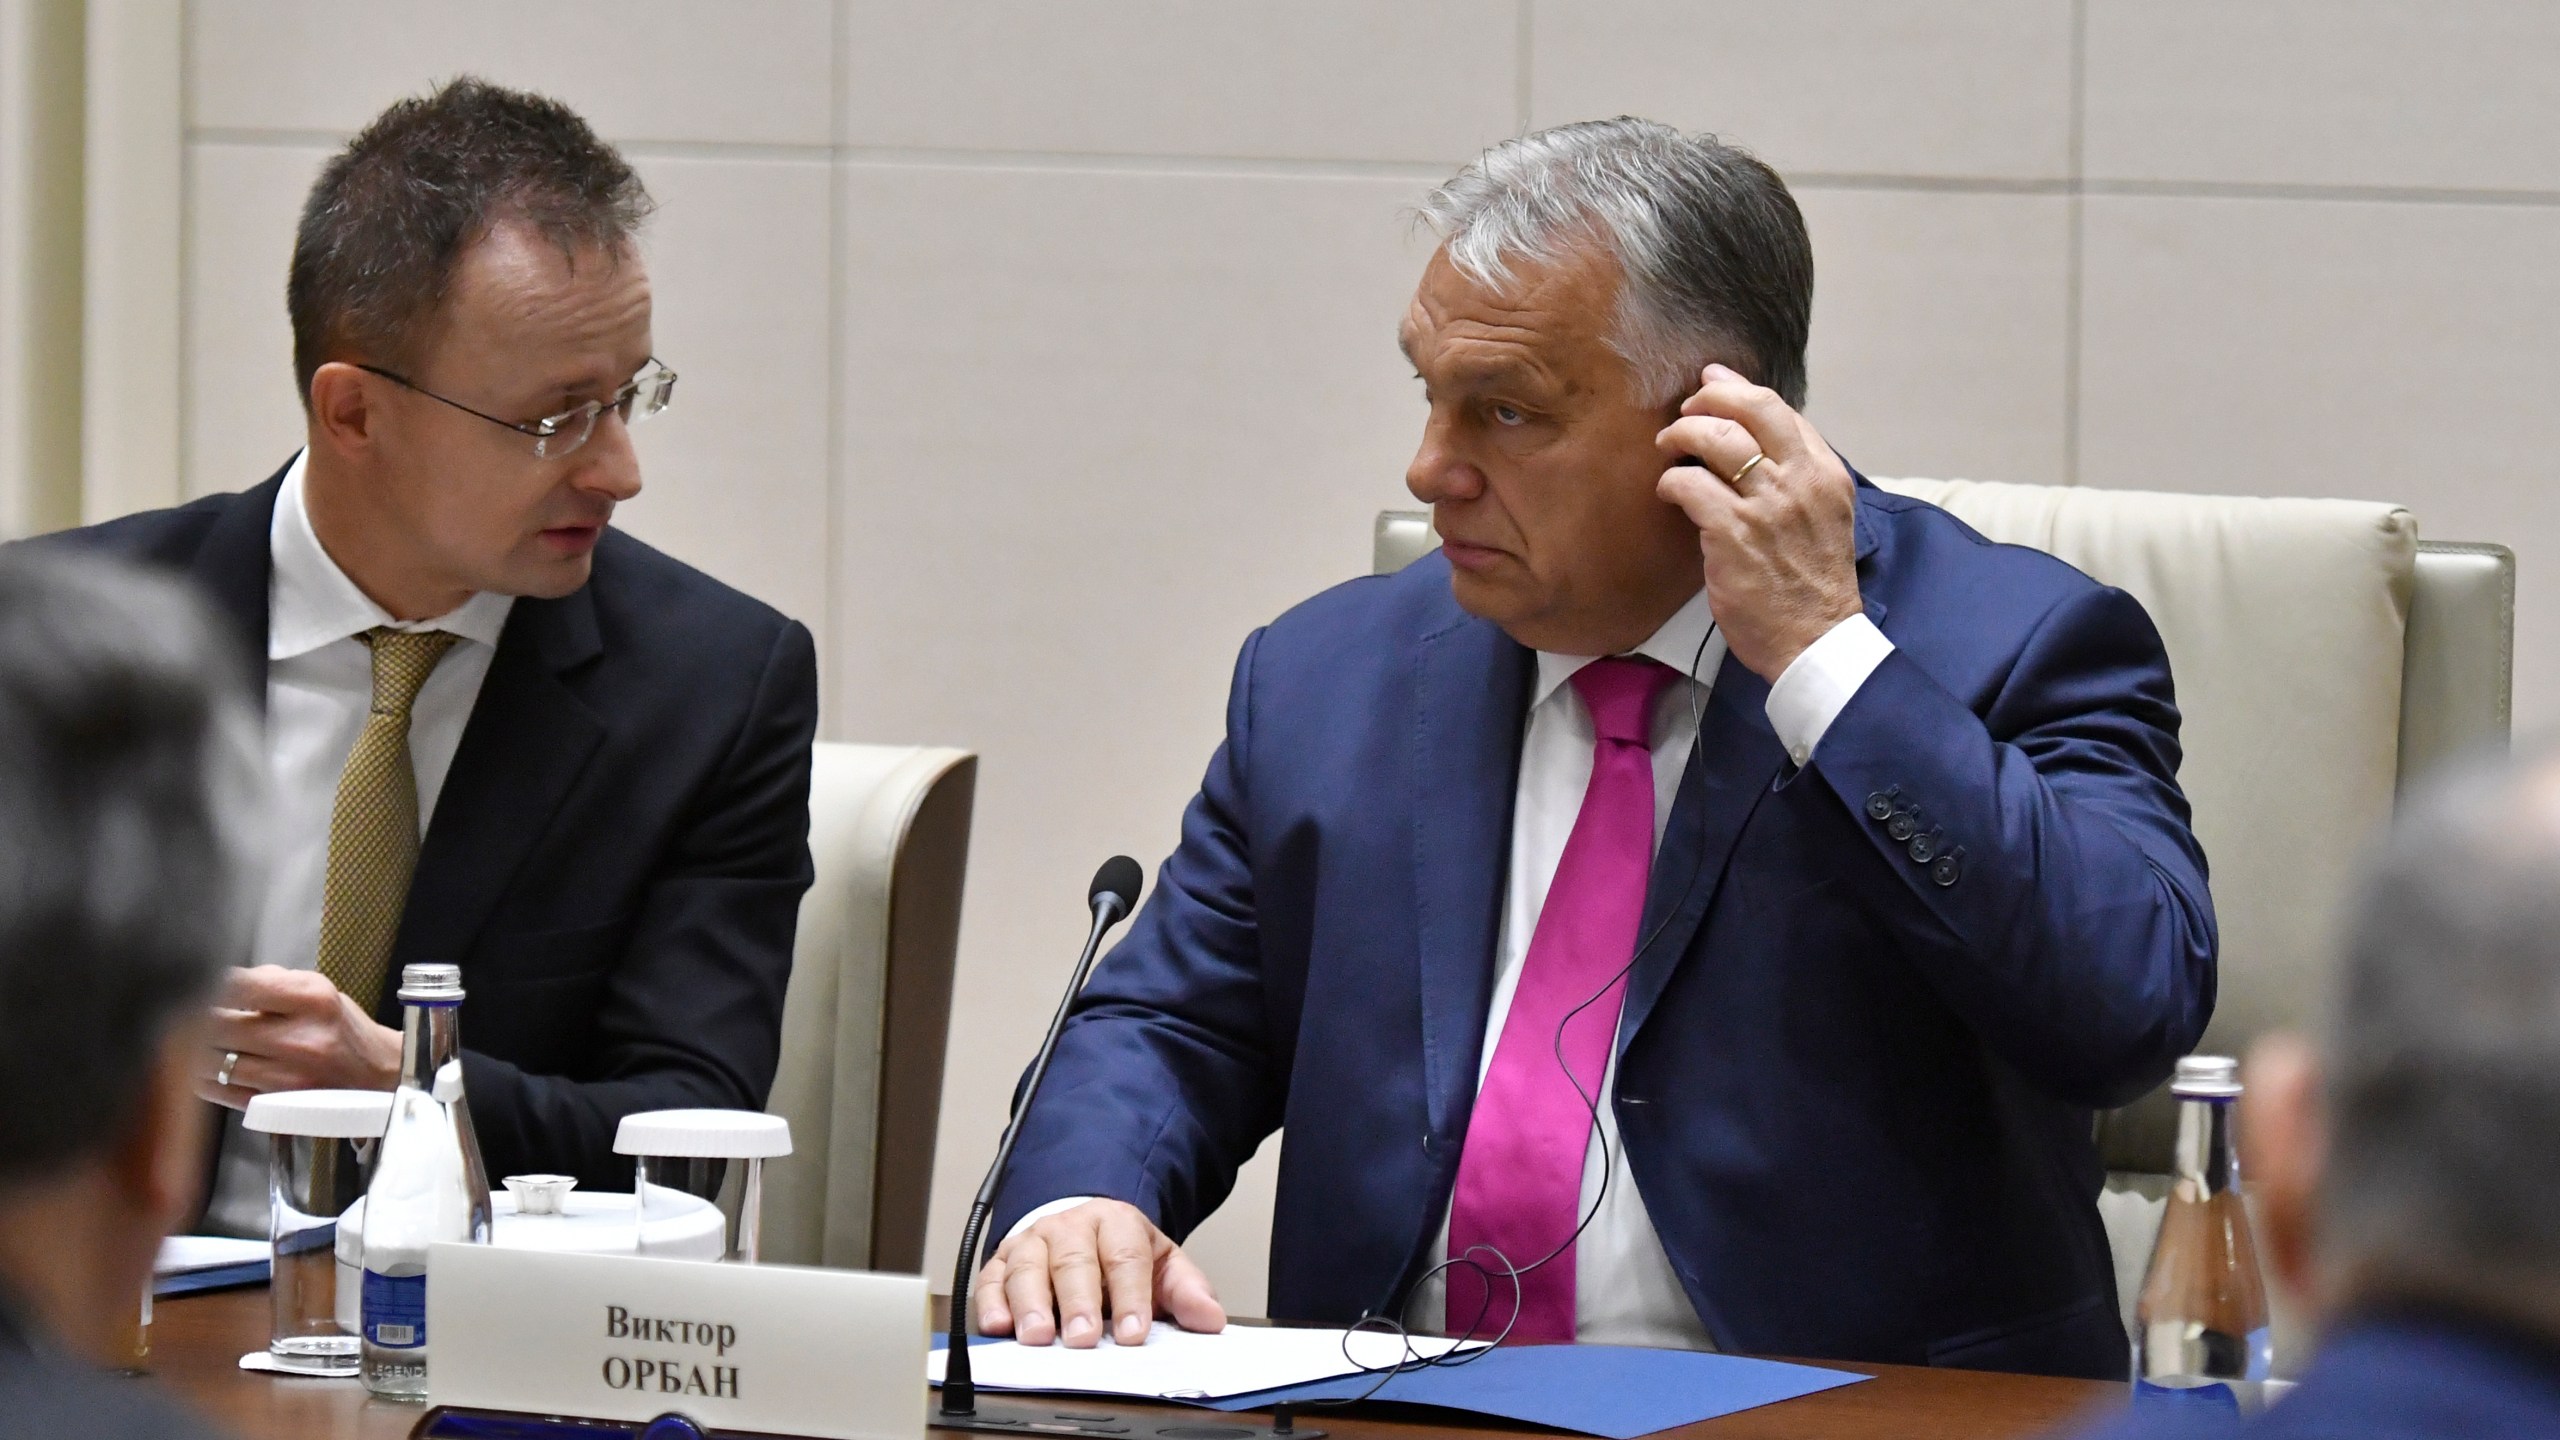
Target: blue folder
x,y
1617,1391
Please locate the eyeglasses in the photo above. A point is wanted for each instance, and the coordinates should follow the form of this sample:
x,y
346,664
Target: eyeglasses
x,y
648,392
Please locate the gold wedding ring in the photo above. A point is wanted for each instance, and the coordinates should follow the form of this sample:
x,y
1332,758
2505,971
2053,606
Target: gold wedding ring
x,y
1736,480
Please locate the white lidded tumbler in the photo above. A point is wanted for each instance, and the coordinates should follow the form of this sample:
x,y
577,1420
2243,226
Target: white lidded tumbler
x,y
321,1149
428,1185
2200,1332
686,1150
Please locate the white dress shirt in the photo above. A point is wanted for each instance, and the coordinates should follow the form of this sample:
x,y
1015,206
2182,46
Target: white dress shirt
x,y
319,690
1624,1290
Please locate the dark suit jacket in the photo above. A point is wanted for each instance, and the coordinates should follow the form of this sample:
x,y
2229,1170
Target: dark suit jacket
x,y
1857,1101
617,856
2411,1375
46,1394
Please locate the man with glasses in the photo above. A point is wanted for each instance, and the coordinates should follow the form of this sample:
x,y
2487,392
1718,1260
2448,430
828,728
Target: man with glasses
x,y
503,735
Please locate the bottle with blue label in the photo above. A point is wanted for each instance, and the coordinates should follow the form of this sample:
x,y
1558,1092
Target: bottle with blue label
x,y
428,1183
2200,1335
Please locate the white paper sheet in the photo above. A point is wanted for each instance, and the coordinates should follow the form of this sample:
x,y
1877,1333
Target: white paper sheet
x,y
180,1254
1175,1364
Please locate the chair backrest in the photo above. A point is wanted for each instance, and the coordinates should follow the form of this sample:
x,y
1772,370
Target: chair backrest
x,y
869,1006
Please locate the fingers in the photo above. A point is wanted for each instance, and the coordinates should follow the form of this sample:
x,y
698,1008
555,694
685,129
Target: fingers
x,y
1075,1275
1723,445
1057,1280
1704,497
995,1317
207,1072
1184,1293
1025,1262
278,991
1757,408
1127,1248
230,1096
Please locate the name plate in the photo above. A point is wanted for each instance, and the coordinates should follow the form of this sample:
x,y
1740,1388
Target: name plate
x,y
831,1354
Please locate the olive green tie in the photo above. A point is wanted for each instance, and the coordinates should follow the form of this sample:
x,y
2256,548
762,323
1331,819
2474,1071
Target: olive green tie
x,y
373,832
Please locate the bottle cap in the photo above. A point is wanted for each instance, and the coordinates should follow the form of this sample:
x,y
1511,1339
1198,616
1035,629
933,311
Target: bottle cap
x,y
2206,1077
713,1134
540,1194
430,982
334,1114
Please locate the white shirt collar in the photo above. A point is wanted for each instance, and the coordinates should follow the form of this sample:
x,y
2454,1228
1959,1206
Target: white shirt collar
x,y
311,602
1675,645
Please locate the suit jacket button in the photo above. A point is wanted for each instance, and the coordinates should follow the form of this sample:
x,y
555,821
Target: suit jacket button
x,y
1880,806
1902,826
1947,871
1924,848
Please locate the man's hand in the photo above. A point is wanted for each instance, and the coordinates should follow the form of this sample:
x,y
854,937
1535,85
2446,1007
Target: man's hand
x,y
1780,547
293,1030
1100,1250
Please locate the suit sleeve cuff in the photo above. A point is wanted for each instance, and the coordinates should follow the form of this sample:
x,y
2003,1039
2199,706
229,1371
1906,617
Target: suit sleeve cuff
x,y
1812,691
1039,1213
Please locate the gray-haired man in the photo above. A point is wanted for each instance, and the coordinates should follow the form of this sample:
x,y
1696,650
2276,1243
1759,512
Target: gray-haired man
x,y
1712,890
128,770
2406,1165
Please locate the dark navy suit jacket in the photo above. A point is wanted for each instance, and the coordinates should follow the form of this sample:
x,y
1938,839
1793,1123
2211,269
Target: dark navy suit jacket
x,y
2406,1376
1857,1102
618,854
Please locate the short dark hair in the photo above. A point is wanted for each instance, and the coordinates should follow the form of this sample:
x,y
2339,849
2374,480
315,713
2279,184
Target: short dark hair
x,y
392,213
1713,258
128,772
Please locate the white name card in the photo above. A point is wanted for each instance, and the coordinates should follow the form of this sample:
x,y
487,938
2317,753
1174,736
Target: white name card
x,y
831,1354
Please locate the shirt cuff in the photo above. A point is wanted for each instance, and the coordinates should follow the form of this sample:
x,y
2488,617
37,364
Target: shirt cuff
x,y
1812,691
1054,1207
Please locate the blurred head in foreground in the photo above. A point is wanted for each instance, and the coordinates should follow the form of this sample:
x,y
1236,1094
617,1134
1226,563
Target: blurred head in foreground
x,y
2410,1157
127,779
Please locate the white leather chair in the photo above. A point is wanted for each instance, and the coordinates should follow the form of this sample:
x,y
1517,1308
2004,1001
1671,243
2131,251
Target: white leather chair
x,y
869,1007
2324,656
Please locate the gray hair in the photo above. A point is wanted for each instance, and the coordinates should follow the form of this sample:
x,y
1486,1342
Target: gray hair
x,y
129,781
1711,248
2443,1051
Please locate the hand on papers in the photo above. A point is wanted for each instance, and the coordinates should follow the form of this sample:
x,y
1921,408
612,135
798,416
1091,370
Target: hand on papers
x,y
1780,548
293,1030
1055,1280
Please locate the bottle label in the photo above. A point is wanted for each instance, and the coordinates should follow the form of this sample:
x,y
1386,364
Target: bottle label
x,y
395,1310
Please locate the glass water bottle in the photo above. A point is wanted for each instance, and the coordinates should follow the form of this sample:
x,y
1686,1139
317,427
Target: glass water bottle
x,y
2200,1332
428,1183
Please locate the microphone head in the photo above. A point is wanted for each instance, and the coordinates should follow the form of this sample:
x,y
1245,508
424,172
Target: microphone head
x,y
1121,879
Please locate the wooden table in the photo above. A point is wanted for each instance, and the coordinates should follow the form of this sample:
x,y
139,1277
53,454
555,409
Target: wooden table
x,y
197,1342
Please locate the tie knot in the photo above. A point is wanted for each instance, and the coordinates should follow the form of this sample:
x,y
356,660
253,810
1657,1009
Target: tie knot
x,y
1619,691
402,660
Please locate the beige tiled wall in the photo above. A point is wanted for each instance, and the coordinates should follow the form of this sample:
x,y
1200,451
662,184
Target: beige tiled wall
x,y
1035,350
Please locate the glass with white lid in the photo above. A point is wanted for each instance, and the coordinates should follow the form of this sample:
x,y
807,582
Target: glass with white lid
x,y
686,1151
321,1149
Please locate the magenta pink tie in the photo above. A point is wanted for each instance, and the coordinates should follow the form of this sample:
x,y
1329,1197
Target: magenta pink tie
x,y
1520,1177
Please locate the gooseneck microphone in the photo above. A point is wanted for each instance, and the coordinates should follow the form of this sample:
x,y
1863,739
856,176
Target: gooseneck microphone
x,y
1113,898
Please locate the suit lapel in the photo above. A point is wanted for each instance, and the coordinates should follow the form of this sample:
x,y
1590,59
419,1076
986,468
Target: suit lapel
x,y
1735,762
528,739
1470,705
235,566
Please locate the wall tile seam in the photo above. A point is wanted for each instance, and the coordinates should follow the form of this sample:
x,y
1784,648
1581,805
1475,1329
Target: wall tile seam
x,y
1250,166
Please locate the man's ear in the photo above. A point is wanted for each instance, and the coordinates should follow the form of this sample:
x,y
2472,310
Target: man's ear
x,y
343,415
158,1163
2283,1150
